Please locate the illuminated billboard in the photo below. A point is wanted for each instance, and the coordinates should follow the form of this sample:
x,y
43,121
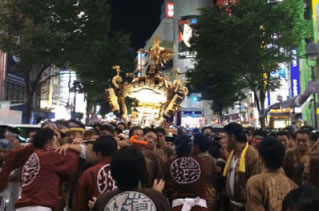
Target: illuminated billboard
x,y
315,12
185,32
294,67
169,10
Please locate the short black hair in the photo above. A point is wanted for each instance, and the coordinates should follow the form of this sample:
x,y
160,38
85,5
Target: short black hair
x,y
121,123
304,198
309,128
106,145
128,167
61,122
237,130
183,145
133,129
148,129
80,124
97,126
291,131
118,130
202,142
43,137
283,133
208,127
304,131
260,132
161,130
107,128
272,151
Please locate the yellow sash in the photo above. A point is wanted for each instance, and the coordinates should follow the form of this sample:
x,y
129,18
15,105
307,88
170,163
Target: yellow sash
x,y
242,166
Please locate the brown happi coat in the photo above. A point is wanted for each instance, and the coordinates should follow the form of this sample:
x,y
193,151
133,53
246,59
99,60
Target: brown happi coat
x,y
210,162
266,191
294,165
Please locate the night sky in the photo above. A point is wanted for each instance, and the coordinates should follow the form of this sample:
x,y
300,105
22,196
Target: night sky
x,y
139,18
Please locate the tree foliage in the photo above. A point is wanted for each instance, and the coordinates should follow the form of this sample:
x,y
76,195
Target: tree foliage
x,y
101,49
239,46
69,33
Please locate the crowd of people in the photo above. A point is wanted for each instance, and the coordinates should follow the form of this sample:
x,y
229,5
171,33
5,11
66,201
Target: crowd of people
x,y
66,165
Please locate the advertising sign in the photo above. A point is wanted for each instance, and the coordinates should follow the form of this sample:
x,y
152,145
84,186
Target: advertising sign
x,y
13,76
169,10
185,32
226,2
294,68
315,12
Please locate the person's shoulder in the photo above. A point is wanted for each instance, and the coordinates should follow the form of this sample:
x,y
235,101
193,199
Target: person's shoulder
x,y
252,150
108,194
252,154
150,191
207,156
255,180
55,157
154,195
91,170
290,181
199,159
104,198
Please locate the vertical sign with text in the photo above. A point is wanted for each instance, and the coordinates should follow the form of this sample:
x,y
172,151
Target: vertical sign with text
x,y
294,69
315,13
169,10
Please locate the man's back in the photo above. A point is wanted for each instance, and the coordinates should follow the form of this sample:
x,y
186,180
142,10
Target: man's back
x,y
40,177
93,182
266,191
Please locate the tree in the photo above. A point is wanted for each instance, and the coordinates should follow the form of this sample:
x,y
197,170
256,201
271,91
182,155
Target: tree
x,y
95,69
239,46
94,64
44,33
102,48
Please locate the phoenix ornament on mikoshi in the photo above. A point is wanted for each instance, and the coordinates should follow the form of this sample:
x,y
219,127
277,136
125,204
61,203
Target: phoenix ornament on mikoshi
x,y
156,98
158,54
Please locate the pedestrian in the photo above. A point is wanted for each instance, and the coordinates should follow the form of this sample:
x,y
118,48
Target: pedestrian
x,y
128,170
304,198
200,148
266,191
242,163
185,177
162,144
41,171
97,179
145,141
296,160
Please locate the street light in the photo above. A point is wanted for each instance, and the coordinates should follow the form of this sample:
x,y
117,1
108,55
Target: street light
x,y
312,53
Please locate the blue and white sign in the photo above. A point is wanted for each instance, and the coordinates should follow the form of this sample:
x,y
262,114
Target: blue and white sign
x,y
294,68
